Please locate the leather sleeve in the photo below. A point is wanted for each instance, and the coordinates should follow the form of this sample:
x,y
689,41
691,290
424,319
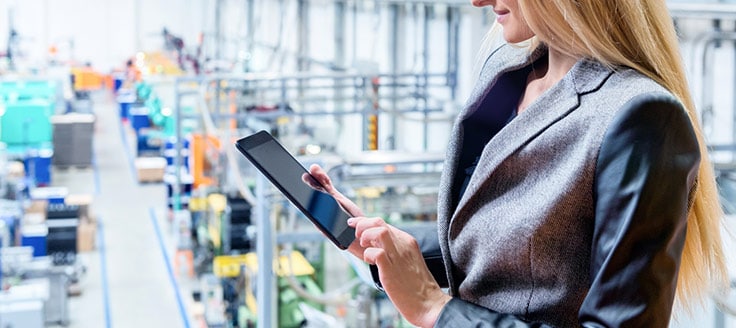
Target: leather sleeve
x,y
645,172
646,168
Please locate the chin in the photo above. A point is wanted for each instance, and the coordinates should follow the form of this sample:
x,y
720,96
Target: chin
x,y
517,37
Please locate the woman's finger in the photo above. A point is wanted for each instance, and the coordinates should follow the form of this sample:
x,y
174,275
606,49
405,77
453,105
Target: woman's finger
x,y
319,180
380,236
312,182
321,176
375,256
362,223
376,237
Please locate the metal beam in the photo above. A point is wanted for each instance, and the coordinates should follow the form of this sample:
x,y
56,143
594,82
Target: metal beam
x,y
218,29
250,34
453,48
303,33
264,249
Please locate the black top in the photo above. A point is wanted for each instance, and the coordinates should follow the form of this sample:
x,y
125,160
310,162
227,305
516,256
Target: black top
x,y
497,110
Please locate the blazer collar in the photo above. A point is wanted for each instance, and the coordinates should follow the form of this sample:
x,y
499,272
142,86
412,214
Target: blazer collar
x,y
561,99
504,59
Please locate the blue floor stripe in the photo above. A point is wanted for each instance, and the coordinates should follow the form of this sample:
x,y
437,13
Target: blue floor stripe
x,y
126,147
103,265
174,283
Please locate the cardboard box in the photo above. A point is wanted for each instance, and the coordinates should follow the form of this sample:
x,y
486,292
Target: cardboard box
x,y
38,206
86,236
150,169
84,201
35,213
16,170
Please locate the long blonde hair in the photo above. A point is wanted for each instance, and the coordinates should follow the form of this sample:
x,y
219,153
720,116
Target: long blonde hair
x,y
640,34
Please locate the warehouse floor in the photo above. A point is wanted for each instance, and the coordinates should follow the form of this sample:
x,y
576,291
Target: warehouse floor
x,y
128,283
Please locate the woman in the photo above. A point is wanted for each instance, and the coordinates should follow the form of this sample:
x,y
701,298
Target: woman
x,y
571,179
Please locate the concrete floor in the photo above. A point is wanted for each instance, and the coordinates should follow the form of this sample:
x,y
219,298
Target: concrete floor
x,y
128,283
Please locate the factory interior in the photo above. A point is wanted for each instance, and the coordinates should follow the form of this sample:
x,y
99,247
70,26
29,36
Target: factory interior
x,y
125,202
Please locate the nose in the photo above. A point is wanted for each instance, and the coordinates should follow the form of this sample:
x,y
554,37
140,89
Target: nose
x,y
482,3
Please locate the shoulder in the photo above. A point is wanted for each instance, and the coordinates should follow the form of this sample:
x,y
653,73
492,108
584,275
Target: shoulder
x,y
623,102
629,83
622,91
620,86
646,116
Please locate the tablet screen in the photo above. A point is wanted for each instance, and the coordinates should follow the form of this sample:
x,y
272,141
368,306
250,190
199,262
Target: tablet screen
x,y
285,172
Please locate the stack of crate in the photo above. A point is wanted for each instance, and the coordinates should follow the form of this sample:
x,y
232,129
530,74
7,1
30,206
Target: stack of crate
x,y
73,139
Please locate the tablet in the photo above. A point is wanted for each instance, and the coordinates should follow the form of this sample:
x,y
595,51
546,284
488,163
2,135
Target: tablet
x,y
285,172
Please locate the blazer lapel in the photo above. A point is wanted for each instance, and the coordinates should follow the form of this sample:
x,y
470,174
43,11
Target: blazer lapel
x,y
557,102
505,58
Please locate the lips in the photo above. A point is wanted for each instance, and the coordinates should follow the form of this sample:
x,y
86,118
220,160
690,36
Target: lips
x,y
501,15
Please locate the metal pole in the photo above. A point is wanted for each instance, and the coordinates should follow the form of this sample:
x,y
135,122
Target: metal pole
x,y
355,29
303,42
137,24
216,108
396,49
425,72
264,250
340,46
340,34
176,188
303,33
453,42
218,29
251,33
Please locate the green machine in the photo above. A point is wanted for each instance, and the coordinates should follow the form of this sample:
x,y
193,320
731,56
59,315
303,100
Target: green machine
x,y
26,122
26,90
159,115
25,113
289,313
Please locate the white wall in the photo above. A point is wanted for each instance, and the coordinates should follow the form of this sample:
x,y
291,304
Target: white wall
x,y
103,32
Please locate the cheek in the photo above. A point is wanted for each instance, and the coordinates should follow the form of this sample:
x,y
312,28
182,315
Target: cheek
x,y
526,32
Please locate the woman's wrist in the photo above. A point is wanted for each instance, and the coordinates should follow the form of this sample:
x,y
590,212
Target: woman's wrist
x,y
434,308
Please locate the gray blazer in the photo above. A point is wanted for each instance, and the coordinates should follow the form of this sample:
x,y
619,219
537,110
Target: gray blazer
x,y
550,228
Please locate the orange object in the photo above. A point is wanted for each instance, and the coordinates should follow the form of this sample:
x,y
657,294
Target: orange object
x,y
86,79
203,150
233,110
109,82
188,256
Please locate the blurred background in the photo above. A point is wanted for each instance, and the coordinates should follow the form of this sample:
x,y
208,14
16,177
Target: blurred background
x,y
123,202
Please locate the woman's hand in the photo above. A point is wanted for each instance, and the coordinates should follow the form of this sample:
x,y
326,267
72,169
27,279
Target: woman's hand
x,y
402,270
319,180
401,267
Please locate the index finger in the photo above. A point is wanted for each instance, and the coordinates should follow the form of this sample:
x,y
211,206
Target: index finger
x,y
310,181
